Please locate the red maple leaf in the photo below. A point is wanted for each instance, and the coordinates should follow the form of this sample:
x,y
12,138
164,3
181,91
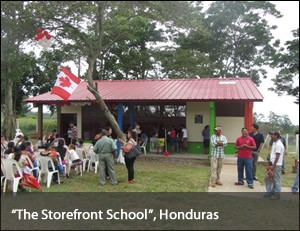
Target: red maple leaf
x,y
64,82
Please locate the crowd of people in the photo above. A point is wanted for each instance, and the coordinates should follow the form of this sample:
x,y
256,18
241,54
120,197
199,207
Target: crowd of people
x,y
248,147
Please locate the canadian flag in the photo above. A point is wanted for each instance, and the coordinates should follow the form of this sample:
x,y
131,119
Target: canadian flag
x,y
65,84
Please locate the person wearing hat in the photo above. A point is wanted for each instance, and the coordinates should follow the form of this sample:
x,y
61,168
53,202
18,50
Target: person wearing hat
x,y
218,142
285,149
276,157
245,144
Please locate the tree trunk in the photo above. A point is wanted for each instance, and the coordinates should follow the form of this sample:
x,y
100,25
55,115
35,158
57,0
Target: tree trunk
x,y
92,88
9,117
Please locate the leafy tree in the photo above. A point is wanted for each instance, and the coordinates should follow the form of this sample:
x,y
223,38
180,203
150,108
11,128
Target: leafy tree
x,y
287,80
15,29
240,36
94,27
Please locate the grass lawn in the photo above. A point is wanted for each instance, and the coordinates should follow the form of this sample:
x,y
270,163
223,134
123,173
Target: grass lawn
x,y
151,175
287,178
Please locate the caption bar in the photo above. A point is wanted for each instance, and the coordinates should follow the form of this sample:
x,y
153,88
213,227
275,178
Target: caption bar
x,y
110,214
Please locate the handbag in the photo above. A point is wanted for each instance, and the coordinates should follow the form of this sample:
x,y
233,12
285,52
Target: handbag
x,y
134,152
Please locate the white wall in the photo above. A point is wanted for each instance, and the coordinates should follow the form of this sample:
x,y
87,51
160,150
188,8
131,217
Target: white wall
x,y
231,127
195,129
74,110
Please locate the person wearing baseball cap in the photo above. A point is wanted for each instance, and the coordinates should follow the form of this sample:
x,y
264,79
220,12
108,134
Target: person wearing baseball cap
x,y
276,157
218,142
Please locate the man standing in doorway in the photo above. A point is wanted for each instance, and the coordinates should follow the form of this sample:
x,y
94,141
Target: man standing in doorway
x,y
259,141
74,131
218,142
184,139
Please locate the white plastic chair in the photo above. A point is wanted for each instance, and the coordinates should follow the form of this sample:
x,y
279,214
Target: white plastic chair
x,y
93,159
27,158
44,160
8,165
143,146
79,153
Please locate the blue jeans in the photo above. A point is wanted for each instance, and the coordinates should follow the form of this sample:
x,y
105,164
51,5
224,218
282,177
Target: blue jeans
x,y
277,180
247,162
295,186
269,185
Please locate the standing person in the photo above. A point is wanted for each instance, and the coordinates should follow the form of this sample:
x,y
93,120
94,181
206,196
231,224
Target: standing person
x,y
285,149
106,149
295,186
218,142
131,135
205,134
184,138
245,144
109,135
259,141
276,158
74,131
173,136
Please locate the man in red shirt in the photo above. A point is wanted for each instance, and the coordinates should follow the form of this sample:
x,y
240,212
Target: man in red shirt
x,y
245,144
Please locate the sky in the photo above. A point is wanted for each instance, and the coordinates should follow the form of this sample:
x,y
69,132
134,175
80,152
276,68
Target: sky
x,y
280,105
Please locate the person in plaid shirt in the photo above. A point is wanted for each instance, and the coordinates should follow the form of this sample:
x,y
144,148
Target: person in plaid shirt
x,y
218,142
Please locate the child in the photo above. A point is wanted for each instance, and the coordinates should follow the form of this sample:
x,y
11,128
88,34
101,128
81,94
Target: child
x,y
269,180
75,158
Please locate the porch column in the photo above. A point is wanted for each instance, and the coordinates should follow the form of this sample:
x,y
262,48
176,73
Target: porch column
x,y
131,115
248,115
120,122
212,120
40,122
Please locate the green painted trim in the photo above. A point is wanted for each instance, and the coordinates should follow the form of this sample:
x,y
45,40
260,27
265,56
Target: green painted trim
x,y
198,148
212,119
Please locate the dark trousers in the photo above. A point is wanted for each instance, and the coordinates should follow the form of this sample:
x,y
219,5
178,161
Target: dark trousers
x,y
129,165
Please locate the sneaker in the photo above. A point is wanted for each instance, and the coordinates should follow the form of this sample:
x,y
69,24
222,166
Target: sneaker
x,y
239,183
250,186
131,182
255,178
219,183
213,184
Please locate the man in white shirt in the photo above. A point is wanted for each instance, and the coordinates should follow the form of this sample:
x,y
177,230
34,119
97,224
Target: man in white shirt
x,y
276,158
184,138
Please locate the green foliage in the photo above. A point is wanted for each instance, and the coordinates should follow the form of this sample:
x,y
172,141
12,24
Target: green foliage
x,y
240,38
274,122
287,80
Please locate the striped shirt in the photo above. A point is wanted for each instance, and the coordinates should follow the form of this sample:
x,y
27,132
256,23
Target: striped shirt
x,y
218,151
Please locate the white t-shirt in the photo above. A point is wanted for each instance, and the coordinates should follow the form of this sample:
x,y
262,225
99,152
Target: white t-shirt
x,y
73,155
184,133
277,147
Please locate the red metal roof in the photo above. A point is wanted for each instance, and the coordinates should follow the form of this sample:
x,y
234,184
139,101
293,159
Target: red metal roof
x,y
161,90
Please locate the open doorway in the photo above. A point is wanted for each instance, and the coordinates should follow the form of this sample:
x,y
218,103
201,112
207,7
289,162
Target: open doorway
x,y
64,126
